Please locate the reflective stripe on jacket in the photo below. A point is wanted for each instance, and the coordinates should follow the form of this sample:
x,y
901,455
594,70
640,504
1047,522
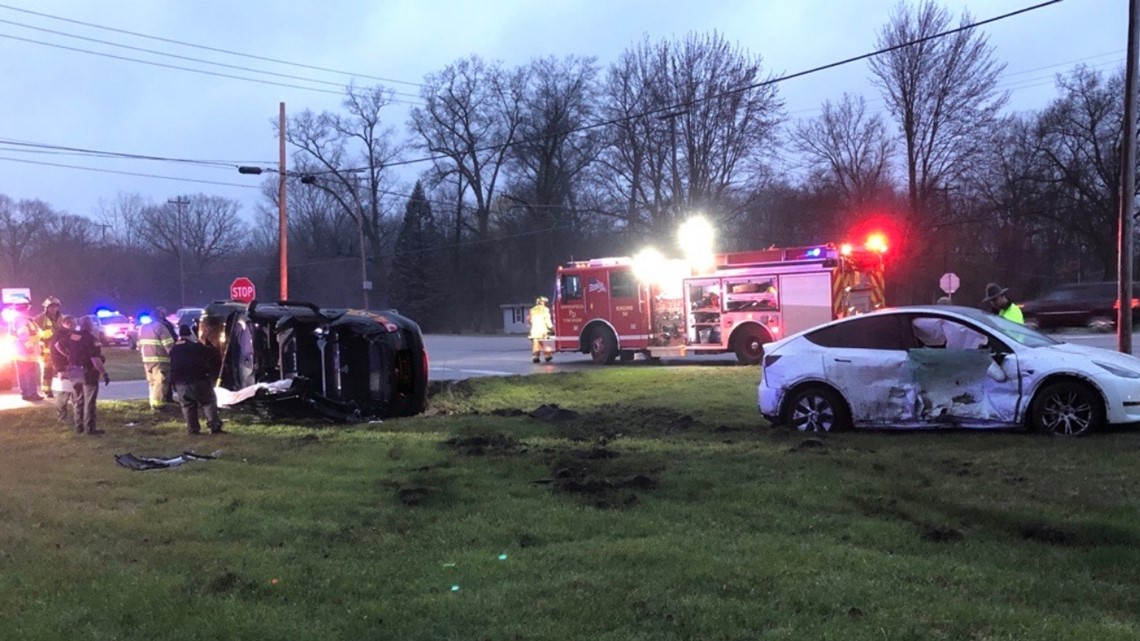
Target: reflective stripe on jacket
x,y
155,342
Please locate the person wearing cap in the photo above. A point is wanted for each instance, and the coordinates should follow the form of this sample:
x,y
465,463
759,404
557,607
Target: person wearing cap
x,y
84,369
193,369
47,323
540,327
1001,304
155,342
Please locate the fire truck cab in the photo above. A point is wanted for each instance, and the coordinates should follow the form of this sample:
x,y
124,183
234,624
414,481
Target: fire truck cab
x,y
748,299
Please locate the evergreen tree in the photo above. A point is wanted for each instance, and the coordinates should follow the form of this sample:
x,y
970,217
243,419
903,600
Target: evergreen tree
x,y
415,283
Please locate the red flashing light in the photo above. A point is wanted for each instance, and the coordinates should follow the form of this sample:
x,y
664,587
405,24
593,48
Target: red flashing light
x,y
877,242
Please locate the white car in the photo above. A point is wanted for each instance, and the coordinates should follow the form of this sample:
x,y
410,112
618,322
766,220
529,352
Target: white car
x,y
943,366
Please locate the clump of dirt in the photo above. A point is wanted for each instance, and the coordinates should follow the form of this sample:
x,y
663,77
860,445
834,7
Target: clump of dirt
x,y
601,477
413,496
553,413
1044,534
483,444
654,421
941,534
508,411
812,444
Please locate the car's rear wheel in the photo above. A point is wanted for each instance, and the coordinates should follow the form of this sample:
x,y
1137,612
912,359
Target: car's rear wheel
x,y
816,409
603,347
1102,324
1067,408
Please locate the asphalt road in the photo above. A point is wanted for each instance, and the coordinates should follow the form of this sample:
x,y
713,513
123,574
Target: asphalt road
x,y
459,357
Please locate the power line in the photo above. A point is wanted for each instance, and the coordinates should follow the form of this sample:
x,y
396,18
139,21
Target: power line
x,y
110,154
206,48
187,58
190,69
127,173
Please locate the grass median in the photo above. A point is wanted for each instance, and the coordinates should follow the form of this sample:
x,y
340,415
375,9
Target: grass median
x,y
658,507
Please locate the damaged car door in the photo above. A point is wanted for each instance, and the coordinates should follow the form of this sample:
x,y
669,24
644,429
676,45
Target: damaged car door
x,y
963,375
867,362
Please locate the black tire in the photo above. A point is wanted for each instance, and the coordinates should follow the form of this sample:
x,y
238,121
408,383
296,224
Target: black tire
x,y
749,345
816,409
1102,324
1067,408
603,347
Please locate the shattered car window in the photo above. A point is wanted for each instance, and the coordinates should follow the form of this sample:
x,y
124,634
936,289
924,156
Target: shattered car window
x,y
1016,332
943,332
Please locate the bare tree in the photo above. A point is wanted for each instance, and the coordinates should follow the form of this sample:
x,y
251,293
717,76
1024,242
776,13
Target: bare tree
x,y
470,118
848,150
120,219
693,122
943,95
348,157
24,227
1078,138
204,230
554,151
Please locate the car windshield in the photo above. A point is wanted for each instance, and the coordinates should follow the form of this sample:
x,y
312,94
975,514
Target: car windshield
x,y
114,319
1014,331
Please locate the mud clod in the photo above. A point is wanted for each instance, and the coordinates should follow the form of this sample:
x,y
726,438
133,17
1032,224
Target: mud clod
x,y
413,496
483,444
809,444
553,413
941,534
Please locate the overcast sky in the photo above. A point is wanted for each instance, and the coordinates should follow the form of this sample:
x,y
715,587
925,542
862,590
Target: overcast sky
x,y
56,96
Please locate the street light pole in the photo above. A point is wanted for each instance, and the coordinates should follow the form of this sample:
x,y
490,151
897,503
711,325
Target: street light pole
x,y
178,203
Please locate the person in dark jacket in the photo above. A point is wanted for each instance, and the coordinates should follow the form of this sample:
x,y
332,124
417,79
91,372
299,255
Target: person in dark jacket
x,y
193,370
84,367
61,384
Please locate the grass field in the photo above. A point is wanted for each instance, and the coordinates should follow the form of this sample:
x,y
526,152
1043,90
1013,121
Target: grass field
x,y
664,510
123,364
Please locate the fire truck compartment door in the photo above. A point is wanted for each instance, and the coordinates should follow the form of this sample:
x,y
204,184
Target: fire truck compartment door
x,y
805,300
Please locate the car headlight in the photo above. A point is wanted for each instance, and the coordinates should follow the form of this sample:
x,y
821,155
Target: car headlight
x,y
1119,371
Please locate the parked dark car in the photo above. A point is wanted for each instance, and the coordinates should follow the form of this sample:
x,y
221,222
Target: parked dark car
x,y
1091,305
344,364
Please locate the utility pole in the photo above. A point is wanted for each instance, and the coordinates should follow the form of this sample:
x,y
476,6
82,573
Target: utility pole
x,y
282,224
1128,185
178,204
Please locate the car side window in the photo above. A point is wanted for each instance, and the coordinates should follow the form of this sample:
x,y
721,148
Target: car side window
x,y
943,332
874,331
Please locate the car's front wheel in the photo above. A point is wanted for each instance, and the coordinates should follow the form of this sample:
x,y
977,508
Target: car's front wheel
x,y
1067,408
816,409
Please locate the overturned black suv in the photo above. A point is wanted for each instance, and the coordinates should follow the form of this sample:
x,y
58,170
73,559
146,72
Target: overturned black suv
x,y
292,356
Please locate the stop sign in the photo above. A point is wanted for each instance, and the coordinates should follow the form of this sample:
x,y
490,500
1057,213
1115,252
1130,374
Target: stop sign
x,y
242,290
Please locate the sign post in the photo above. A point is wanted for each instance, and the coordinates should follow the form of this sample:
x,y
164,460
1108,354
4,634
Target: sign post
x,y
242,290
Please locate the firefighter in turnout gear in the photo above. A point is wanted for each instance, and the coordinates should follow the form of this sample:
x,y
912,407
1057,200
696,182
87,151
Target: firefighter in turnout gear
x,y
155,341
540,327
47,322
27,353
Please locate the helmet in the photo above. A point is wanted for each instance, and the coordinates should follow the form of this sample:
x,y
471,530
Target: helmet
x,y
541,300
51,300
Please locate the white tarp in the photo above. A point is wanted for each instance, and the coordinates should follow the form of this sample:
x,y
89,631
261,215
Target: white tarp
x,y
227,398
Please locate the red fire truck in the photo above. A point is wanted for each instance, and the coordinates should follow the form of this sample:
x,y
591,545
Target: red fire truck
x,y
748,299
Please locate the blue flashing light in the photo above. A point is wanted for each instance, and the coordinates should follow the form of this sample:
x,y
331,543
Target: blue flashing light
x,y
145,319
815,252
103,312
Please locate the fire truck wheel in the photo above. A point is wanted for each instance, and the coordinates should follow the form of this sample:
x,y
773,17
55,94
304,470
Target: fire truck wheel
x,y
749,345
603,347
816,408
